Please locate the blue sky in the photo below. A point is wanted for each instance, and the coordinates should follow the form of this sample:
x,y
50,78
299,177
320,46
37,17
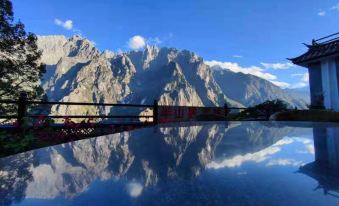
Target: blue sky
x,y
243,35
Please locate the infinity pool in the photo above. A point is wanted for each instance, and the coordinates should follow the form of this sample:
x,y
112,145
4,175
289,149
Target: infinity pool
x,y
234,163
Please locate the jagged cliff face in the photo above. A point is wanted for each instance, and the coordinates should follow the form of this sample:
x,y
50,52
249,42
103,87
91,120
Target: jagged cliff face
x,y
77,71
174,78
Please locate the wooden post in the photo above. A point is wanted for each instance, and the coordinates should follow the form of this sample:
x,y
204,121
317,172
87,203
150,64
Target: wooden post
x,y
268,114
155,112
22,108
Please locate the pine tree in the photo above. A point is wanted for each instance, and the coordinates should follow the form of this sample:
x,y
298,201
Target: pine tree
x,y
20,70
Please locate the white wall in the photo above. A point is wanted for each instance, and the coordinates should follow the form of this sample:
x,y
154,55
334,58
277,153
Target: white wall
x,y
329,84
333,148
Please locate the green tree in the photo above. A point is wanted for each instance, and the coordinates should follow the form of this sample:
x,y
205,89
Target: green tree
x,y
20,70
264,109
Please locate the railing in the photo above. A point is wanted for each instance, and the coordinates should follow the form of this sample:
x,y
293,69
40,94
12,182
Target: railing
x,y
176,115
327,39
22,104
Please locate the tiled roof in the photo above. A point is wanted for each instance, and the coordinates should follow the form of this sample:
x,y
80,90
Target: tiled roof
x,y
317,51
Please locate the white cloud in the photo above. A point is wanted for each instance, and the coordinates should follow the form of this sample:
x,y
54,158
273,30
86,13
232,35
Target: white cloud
x,y
335,7
284,141
310,148
303,82
134,189
238,160
321,13
297,74
284,162
277,65
281,84
136,42
298,85
234,67
305,141
305,77
68,24
265,154
237,56
253,70
300,151
290,140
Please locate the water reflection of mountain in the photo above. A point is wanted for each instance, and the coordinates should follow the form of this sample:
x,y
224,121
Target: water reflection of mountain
x,y
325,168
147,156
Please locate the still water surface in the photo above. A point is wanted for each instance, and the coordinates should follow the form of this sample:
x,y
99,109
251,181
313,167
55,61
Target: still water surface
x,y
247,163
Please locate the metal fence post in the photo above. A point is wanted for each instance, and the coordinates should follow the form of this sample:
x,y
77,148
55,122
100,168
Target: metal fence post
x,y
22,108
155,112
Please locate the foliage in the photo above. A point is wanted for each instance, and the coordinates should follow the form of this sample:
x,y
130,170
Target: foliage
x,y
20,70
11,144
16,175
308,115
263,110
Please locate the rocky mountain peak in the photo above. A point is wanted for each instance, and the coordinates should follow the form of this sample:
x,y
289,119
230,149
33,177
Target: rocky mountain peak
x,y
80,47
52,48
107,54
77,71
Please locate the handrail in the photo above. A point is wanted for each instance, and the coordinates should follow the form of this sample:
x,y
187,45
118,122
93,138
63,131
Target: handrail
x,y
93,104
22,103
90,116
327,37
76,103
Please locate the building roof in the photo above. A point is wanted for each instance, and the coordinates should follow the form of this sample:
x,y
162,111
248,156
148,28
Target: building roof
x,y
318,50
328,180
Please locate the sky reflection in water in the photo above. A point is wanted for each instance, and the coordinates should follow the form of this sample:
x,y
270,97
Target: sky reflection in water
x,y
248,163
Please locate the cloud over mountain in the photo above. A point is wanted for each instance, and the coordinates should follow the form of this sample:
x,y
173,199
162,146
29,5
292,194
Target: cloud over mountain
x,y
277,66
235,67
68,24
136,42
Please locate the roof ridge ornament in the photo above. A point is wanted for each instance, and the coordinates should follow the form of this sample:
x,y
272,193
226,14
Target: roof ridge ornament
x,y
307,45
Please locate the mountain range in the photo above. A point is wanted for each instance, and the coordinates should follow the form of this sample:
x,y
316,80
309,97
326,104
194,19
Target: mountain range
x,y
78,71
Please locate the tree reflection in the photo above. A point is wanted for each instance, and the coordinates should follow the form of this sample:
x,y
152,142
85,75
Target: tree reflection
x,y
14,176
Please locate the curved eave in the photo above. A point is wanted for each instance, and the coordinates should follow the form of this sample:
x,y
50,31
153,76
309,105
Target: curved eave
x,y
317,52
305,62
298,61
